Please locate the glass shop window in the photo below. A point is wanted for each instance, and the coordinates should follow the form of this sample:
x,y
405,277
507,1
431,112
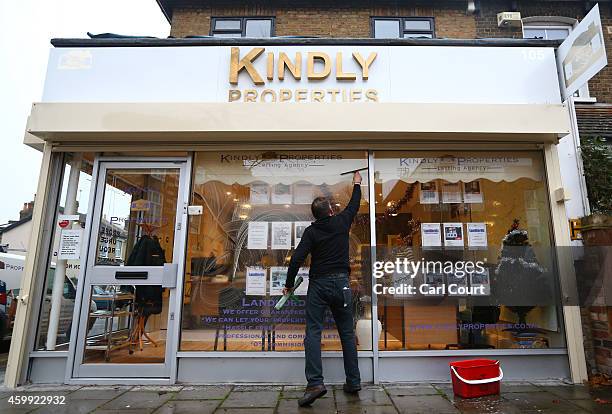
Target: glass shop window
x,y
255,207
61,276
464,252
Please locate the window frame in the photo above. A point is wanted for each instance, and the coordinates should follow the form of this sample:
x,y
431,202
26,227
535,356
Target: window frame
x,y
402,23
243,23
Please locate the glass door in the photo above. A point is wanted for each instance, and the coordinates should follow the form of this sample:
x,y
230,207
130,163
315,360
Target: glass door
x,y
135,256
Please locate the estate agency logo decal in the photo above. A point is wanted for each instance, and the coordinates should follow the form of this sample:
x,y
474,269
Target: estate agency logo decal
x,y
308,67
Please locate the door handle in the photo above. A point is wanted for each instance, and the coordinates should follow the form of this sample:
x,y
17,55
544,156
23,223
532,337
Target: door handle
x,y
169,276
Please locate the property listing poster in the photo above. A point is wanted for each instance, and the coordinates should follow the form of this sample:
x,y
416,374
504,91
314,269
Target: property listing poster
x,y
472,192
431,236
298,231
451,193
281,194
453,234
302,290
256,278
259,193
428,193
281,235
477,235
278,275
257,235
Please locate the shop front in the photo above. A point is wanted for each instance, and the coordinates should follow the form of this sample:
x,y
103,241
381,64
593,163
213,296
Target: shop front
x,y
177,180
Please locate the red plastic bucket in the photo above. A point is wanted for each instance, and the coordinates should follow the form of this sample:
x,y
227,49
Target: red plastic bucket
x,y
476,377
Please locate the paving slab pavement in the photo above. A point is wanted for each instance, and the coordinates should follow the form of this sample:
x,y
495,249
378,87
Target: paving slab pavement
x,y
413,398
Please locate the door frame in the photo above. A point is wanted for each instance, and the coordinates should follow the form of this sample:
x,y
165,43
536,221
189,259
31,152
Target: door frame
x,y
76,347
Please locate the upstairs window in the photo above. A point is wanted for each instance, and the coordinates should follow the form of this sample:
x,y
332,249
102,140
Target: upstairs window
x,y
546,32
242,27
402,27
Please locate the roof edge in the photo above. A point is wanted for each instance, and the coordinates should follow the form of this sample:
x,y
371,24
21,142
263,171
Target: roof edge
x,y
214,41
167,13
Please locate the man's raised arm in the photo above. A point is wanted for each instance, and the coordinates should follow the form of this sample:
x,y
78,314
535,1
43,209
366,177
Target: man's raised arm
x,y
349,213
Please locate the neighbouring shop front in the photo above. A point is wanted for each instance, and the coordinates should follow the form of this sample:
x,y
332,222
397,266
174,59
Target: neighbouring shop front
x,y
177,180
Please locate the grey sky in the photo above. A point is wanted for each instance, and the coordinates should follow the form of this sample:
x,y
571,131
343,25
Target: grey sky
x,y
26,26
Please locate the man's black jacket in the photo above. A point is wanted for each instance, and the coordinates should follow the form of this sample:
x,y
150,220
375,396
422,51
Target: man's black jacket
x,y
327,240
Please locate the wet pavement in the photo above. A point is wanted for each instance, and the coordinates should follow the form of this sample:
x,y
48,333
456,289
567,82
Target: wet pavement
x,y
426,398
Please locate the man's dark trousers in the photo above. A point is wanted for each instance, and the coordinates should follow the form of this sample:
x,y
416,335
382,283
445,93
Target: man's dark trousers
x,y
330,291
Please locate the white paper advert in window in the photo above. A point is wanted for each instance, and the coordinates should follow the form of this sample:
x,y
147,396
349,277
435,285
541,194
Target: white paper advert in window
x,y
299,228
278,275
259,193
451,193
257,235
256,281
302,290
453,234
281,194
472,192
70,244
281,235
431,236
429,193
477,234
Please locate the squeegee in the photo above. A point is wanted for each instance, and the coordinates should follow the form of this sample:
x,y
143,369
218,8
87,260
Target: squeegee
x,y
354,171
279,305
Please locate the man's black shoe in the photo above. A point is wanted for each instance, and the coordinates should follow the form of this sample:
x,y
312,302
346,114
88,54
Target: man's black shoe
x,y
311,394
351,389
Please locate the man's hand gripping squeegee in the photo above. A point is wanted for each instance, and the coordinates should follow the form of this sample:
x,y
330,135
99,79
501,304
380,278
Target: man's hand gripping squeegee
x,y
279,305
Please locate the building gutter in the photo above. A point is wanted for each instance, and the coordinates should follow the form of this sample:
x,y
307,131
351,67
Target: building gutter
x,y
298,41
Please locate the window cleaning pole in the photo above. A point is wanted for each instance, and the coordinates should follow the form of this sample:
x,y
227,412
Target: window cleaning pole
x,y
60,270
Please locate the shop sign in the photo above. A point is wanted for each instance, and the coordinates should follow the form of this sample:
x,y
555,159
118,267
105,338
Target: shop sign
x,y
582,55
314,66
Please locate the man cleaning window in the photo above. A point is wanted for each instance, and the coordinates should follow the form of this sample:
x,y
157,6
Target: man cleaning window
x,y
327,241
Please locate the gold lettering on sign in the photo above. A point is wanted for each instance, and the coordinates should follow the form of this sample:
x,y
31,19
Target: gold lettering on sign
x,y
372,95
317,95
250,95
364,63
333,93
324,57
234,95
285,95
270,67
246,63
340,75
294,68
300,95
268,92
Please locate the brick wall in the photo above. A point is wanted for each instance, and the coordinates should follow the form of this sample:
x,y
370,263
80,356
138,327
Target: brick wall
x,y
350,21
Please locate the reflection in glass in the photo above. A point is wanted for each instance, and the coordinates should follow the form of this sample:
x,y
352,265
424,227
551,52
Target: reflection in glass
x,y
61,321
138,216
255,206
457,208
417,25
226,24
258,28
387,29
